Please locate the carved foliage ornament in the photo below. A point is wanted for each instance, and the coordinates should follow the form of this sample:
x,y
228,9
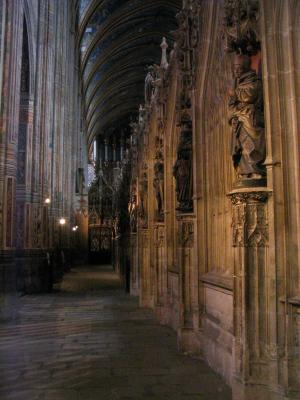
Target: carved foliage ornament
x,y
250,221
186,234
243,197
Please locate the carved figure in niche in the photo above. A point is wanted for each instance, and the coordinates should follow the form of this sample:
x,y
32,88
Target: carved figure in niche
x,y
182,170
80,181
132,209
247,121
158,185
141,116
117,225
143,208
149,86
95,245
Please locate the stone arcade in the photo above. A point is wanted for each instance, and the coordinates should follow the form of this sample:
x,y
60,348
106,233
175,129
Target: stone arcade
x,y
161,137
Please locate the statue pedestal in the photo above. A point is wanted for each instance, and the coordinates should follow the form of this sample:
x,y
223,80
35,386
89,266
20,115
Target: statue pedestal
x,y
250,183
187,276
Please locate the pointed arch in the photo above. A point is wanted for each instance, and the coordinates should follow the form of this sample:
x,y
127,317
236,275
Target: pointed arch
x,y
24,132
25,66
30,22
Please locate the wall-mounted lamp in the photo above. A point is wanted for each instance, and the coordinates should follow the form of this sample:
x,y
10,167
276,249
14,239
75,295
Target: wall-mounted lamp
x,y
62,221
47,200
75,228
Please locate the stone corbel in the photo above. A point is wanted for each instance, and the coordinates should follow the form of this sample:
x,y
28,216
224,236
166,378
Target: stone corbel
x,y
249,223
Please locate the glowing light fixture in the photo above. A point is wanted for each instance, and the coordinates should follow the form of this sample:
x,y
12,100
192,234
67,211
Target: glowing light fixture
x,y
62,221
47,201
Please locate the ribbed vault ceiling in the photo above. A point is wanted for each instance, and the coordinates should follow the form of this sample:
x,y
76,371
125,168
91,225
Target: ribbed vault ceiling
x,y
118,40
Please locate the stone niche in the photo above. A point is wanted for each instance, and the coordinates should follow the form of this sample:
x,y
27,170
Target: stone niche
x,y
214,179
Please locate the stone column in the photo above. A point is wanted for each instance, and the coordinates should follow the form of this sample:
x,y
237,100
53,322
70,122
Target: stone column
x,y
114,148
100,156
122,147
160,271
145,269
252,293
95,155
11,29
106,142
144,261
186,261
134,272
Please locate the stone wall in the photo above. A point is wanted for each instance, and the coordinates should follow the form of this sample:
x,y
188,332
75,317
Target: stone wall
x,y
39,143
222,266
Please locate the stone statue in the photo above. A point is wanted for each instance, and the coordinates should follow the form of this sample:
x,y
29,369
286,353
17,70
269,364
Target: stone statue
x,y
158,185
149,86
143,206
182,170
132,208
247,121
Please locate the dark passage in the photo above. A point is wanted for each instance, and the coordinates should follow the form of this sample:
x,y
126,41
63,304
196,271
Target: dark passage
x,y
90,341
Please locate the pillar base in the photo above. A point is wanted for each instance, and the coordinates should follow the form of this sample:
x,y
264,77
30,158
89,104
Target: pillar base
x,y
188,342
9,297
161,314
241,391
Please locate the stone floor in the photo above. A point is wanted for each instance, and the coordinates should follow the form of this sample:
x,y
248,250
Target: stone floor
x,y
89,340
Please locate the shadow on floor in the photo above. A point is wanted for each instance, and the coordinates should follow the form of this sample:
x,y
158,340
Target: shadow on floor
x,y
91,341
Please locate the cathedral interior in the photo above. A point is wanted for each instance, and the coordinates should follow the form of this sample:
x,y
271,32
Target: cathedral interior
x,y
149,199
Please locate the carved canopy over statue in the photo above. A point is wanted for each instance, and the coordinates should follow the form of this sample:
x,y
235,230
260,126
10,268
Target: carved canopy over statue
x,y
182,170
241,26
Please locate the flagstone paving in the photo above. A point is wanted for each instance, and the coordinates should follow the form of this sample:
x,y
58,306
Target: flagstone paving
x,y
90,341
